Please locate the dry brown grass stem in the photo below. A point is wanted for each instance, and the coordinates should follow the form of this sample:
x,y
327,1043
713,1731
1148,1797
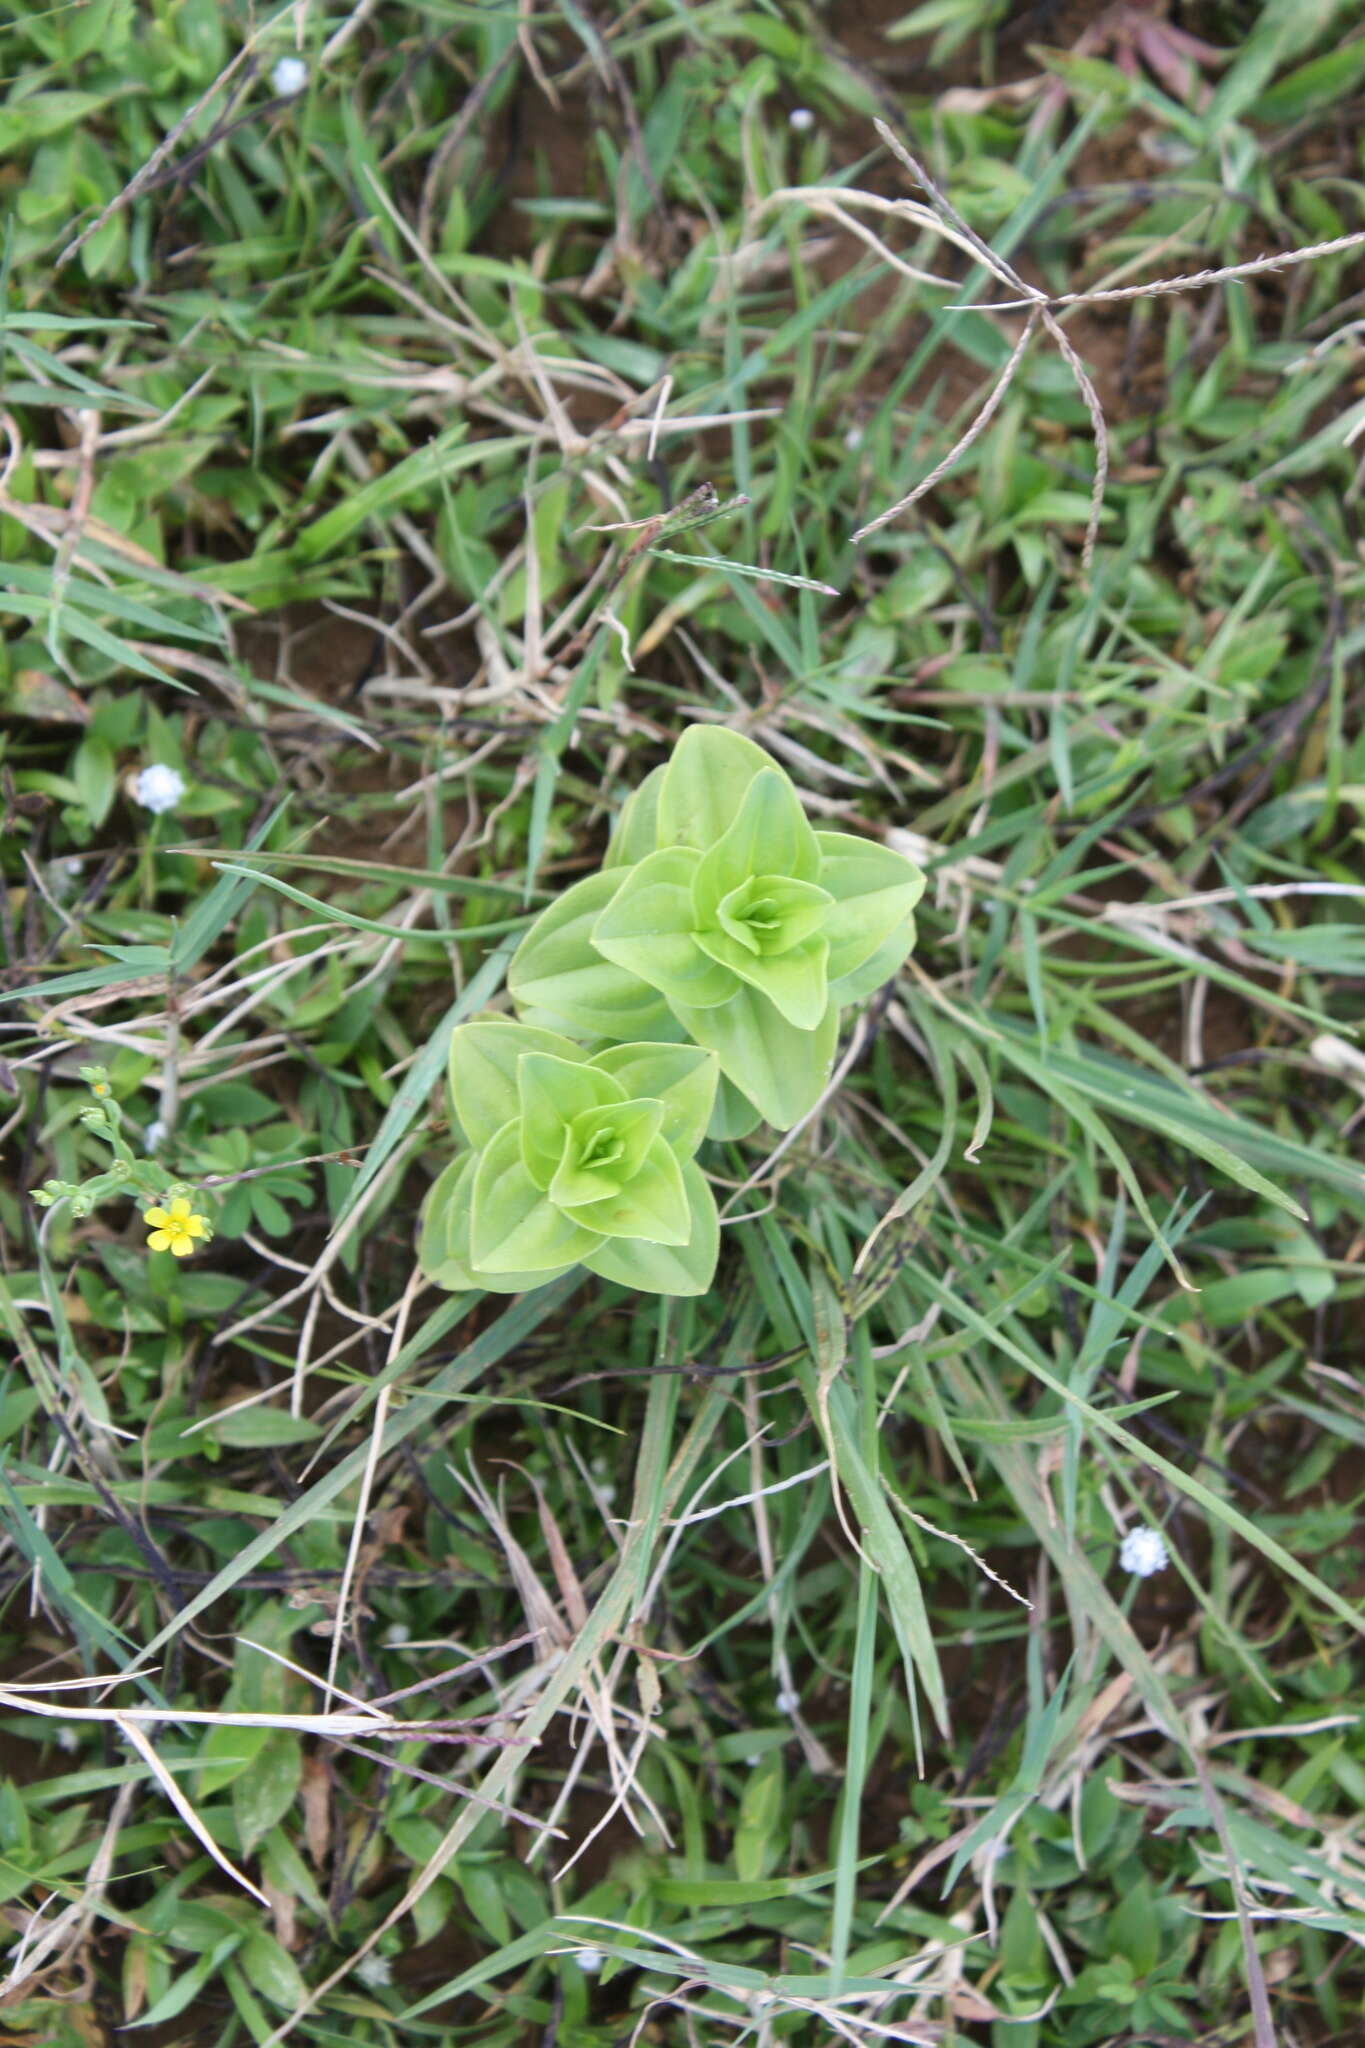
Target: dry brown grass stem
x,y
938,216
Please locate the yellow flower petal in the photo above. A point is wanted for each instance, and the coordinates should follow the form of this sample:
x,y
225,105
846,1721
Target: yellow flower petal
x,y
198,1226
180,1208
182,1247
159,1240
156,1217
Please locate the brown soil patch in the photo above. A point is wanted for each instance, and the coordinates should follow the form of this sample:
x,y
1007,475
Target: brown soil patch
x,y
346,784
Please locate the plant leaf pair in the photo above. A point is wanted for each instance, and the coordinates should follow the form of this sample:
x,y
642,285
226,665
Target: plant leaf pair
x,y
723,917
573,1160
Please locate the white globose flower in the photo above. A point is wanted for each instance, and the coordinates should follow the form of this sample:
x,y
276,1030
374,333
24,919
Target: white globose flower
x,y
290,77
396,1634
801,119
159,788
155,1134
787,1702
1143,1551
374,1970
589,1959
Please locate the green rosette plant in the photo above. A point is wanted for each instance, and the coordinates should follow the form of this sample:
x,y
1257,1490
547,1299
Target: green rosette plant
x,y
573,1160
722,916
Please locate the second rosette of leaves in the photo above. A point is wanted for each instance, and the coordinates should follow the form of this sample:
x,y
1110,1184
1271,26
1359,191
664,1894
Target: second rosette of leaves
x,y
573,1161
721,916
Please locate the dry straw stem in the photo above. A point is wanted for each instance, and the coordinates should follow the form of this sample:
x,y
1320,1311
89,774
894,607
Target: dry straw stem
x,y
941,217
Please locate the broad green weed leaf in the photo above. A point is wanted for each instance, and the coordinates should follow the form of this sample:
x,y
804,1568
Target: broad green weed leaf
x,y
637,828
780,1068
552,1094
271,1970
558,980
436,1254
604,1150
648,931
794,982
704,785
514,1226
682,1077
876,890
667,1269
770,835
266,1789
652,1205
484,1056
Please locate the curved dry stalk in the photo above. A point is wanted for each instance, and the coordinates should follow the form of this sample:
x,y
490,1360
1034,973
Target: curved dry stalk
x,y
939,215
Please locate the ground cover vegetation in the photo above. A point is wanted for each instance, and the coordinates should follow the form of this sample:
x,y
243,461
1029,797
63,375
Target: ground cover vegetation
x,y
899,1577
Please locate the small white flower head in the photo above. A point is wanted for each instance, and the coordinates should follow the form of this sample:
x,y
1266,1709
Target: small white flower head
x,y
801,120
159,788
155,1134
67,1739
396,1634
853,439
374,1970
588,1960
63,876
787,1702
1143,1551
289,77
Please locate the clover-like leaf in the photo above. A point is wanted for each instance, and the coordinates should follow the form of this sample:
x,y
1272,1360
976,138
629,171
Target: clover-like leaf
x,y
646,930
661,1268
483,1070
704,784
514,1227
604,1149
559,981
652,1204
875,891
684,1078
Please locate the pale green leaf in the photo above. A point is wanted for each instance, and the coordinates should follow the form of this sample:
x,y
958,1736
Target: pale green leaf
x,y
682,1077
559,980
876,890
552,1093
770,835
647,930
782,1070
513,1227
794,982
483,1070
605,1149
652,1204
667,1269
637,828
704,784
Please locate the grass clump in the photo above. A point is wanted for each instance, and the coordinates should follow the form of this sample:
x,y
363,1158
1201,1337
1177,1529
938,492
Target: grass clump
x,y
944,1623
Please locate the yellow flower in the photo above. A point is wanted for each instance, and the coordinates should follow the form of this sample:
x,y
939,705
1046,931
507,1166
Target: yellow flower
x,y
175,1229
